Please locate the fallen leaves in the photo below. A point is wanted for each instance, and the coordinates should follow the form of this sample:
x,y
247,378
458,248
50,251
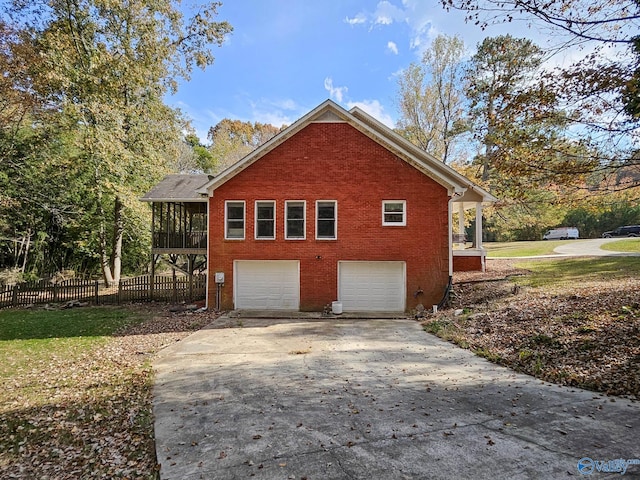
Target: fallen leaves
x,y
88,414
585,335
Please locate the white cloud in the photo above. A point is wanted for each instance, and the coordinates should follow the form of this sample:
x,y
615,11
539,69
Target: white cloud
x,y
277,112
375,109
392,47
386,13
426,20
416,14
273,117
290,105
283,104
335,93
357,20
372,107
420,19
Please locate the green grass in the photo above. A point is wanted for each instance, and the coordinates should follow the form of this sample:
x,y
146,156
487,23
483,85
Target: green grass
x,y
567,271
627,245
63,395
523,249
31,337
78,322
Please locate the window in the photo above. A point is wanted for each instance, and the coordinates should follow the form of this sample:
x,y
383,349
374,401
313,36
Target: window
x,y
234,220
295,217
266,220
326,219
394,212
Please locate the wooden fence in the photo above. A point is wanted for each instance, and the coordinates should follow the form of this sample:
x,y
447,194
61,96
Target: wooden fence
x,y
163,288
138,289
43,291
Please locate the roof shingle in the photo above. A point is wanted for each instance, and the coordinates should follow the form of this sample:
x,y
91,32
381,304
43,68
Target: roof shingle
x,y
178,188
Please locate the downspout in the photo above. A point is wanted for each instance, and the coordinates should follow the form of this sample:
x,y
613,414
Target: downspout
x,y
450,228
208,256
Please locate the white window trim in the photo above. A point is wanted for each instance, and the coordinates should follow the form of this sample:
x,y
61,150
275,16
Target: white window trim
x,y
255,230
335,219
244,219
404,214
304,220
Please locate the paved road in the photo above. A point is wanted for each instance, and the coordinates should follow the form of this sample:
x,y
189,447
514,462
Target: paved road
x,y
370,399
591,248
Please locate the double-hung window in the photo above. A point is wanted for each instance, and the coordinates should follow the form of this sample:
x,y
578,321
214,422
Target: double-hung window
x,y
326,219
294,228
265,220
394,213
234,220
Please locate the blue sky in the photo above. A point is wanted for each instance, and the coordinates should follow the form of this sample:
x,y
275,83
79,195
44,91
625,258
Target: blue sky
x,y
287,56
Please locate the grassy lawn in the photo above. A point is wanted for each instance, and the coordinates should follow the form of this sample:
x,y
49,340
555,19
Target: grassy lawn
x,y
522,249
572,321
626,245
569,272
75,390
34,339
48,324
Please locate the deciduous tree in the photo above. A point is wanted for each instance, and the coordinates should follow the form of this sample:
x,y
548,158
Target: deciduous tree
x,y
502,99
581,20
231,140
599,92
107,65
431,100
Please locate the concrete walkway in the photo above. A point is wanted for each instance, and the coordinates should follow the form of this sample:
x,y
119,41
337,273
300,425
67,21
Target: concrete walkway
x,y
371,399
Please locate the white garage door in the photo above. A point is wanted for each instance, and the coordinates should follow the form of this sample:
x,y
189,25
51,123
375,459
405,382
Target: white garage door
x,y
371,286
267,284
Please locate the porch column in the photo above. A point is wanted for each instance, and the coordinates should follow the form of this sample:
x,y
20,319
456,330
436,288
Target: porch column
x,y
460,222
479,225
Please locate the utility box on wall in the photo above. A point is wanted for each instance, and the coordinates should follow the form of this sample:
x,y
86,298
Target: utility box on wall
x,y
219,277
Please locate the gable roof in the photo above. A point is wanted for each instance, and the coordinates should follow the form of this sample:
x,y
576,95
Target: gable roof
x,y
178,188
330,112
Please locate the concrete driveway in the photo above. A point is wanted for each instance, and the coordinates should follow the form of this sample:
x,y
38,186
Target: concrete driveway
x,y
591,248
372,399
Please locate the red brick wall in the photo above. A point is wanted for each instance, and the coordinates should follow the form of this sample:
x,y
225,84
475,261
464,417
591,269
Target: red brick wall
x,y
334,161
467,264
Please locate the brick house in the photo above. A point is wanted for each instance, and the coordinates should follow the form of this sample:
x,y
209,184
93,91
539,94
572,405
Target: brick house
x,y
337,207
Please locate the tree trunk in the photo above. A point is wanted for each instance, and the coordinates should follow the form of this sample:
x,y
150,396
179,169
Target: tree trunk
x,y
486,163
105,264
489,143
118,234
104,257
111,258
27,239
